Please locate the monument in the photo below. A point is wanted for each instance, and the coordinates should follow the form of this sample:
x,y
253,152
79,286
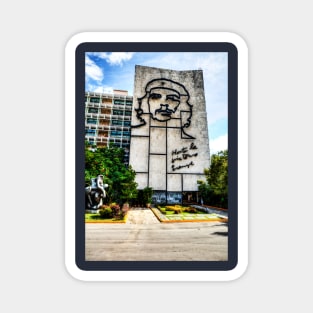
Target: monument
x,y
169,135
95,193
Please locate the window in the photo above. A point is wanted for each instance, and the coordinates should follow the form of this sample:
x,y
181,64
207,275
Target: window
x,y
117,112
128,113
120,123
90,132
93,110
91,121
95,100
117,122
116,133
119,102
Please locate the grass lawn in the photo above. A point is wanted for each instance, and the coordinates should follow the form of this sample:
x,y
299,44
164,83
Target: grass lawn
x,y
96,218
182,213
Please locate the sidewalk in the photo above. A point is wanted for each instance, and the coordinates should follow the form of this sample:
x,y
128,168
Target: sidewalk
x,y
141,216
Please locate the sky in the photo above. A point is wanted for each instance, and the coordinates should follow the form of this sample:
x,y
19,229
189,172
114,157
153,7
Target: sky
x,y
106,71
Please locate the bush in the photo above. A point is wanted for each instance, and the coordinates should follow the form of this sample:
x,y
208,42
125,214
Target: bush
x,y
106,212
147,195
190,210
116,209
176,208
163,210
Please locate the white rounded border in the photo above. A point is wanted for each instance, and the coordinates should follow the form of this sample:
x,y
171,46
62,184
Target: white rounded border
x,y
242,49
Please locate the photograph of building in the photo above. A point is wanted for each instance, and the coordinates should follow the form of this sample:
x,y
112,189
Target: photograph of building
x,y
108,119
170,116
169,113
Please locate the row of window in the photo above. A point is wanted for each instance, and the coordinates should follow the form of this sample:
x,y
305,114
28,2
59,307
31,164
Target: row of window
x,y
115,133
118,133
118,112
121,123
113,122
115,101
94,140
121,102
121,145
115,112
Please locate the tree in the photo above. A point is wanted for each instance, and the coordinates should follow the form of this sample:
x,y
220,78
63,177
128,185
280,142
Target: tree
x,y
205,191
129,186
215,190
217,174
147,193
108,161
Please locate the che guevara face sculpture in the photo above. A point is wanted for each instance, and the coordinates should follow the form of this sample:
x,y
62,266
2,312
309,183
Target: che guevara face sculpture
x,y
164,100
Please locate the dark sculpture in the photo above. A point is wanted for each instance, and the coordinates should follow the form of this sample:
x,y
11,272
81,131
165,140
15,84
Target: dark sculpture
x,y
95,193
164,100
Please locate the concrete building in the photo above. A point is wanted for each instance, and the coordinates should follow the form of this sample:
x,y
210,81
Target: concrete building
x,y
108,119
169,136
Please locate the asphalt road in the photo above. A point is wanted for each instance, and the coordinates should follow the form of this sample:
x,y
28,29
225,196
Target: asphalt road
x,y
144,238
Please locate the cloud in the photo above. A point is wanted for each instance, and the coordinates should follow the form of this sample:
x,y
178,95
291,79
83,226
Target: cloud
x,y
118,58
104,89
215,78
214,66
219,144
93,71
114,58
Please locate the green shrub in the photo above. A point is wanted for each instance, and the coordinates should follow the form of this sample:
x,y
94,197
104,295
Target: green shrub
x,y
147,195
106,212
163,210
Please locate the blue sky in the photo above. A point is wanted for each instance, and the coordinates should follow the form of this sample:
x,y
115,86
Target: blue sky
x,y
106,71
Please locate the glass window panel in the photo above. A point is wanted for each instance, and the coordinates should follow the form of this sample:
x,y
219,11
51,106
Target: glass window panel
x,y
93,110
91,121
95,100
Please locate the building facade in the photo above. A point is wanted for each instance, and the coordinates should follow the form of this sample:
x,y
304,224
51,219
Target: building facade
x,y
108,119
169,147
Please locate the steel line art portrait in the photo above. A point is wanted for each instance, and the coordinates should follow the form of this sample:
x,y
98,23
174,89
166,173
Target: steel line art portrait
x,y
165,100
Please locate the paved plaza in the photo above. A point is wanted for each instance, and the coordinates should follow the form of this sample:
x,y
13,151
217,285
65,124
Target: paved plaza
x,y
144,238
